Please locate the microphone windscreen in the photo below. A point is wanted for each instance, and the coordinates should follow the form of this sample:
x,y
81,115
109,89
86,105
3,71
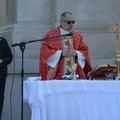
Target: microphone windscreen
x,y
70,34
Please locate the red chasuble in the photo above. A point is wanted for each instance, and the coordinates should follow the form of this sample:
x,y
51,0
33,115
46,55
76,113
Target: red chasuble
x,y
49,47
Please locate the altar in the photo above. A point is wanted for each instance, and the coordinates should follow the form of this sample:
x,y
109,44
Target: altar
x,y
73,99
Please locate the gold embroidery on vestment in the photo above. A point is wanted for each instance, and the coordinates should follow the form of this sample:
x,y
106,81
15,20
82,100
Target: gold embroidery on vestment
x,y
68,60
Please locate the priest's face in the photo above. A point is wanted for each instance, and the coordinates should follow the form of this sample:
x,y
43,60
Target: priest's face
x,y
67,24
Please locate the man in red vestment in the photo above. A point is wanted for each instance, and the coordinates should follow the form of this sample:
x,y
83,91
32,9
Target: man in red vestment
x,y
58,55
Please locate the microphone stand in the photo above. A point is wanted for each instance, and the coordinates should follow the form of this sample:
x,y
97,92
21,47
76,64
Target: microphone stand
x,y
22,48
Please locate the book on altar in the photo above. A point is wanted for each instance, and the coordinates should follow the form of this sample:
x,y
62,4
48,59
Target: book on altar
x,y
103,71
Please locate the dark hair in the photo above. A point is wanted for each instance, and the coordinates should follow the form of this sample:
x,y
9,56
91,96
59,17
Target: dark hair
x,y
63,16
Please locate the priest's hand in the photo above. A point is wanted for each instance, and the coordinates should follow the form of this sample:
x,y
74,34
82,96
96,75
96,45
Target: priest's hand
x,y
69,52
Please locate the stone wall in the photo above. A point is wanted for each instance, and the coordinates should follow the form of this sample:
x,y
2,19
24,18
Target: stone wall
x,y
26,20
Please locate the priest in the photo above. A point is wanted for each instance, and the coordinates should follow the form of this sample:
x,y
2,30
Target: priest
x,y
59,54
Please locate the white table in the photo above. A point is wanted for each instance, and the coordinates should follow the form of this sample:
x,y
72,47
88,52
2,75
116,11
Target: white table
x,y
73,100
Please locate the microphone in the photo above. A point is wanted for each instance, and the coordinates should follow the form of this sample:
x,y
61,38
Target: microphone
x,y
69,34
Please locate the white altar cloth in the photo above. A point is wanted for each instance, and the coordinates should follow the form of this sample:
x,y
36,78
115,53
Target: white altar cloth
x,y
73,100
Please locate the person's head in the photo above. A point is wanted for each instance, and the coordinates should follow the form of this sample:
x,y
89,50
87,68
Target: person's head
x,y
67,21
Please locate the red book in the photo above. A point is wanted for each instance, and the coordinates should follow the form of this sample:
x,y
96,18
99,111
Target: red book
x,y
103,71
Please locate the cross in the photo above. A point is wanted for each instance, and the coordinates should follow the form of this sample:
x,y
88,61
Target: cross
x,y
67,43
68,63
117,28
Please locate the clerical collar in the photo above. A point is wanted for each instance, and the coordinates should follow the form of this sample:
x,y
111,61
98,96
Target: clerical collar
x,y
62,32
